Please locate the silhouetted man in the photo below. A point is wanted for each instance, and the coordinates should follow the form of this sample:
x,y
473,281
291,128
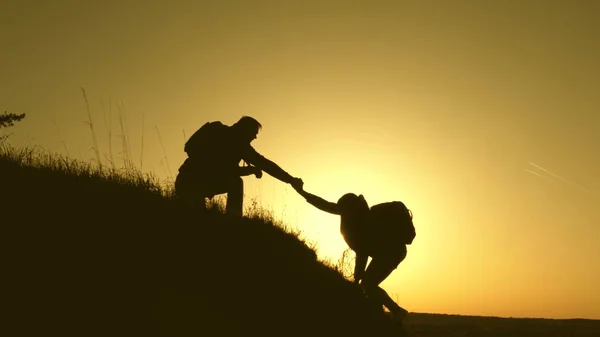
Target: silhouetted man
x,y
212,167
381,232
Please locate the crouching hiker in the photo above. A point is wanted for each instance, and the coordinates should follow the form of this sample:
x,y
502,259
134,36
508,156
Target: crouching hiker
x,y
212,167
380,232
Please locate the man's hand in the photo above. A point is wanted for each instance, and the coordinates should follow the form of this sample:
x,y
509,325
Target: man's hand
x,y
258,173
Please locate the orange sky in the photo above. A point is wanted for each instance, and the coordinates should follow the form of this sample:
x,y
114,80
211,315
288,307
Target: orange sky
x,y
482,117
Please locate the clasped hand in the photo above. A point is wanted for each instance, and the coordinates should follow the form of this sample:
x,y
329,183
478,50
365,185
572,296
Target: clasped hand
x,y
297,184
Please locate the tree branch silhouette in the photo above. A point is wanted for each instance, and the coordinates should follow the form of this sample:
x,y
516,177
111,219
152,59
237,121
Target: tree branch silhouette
x,y
7,120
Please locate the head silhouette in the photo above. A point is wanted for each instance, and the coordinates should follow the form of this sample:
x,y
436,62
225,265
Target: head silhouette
x,y
247,128
352,204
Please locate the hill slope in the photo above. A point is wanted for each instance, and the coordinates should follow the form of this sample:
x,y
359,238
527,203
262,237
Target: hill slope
x,y
94,255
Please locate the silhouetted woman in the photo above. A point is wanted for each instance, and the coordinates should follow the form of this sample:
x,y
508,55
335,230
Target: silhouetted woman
x,y
375,232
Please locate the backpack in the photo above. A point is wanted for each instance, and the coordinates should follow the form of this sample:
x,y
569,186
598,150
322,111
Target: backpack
x,y
204,140
398,220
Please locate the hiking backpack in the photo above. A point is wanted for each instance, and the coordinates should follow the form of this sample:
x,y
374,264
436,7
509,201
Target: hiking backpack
x,y
399,217
204,140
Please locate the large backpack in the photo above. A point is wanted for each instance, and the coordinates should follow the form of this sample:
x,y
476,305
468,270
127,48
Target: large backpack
x,y
205,140
397,218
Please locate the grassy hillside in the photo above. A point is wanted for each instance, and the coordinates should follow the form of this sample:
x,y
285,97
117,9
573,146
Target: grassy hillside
x,y
91,252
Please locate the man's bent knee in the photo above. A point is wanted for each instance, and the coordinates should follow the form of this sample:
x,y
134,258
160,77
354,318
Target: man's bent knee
x,y
235,188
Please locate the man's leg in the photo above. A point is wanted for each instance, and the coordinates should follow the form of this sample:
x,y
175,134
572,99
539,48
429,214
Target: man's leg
x,y
235,196
188,192
233,186
209,186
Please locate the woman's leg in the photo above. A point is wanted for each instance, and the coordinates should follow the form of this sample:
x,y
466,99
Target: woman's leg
x,y
377,271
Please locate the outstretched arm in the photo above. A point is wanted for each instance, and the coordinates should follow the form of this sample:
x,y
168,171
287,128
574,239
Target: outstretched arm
x,y
256,159
319,202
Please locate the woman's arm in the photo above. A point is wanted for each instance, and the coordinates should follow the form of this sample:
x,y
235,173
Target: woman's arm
x,y
320,203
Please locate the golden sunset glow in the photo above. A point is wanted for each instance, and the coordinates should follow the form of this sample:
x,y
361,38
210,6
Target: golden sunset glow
x,y
482,117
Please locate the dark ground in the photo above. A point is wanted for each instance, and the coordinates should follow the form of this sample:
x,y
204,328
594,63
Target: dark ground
x,y
436,325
